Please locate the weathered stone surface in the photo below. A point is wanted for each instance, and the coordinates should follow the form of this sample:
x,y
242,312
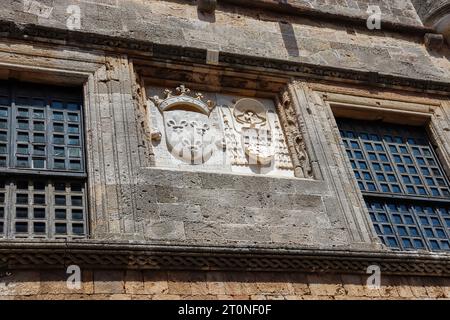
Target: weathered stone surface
x,y
111,282
155,282
133,199
25,282
185,285
177,23
394,10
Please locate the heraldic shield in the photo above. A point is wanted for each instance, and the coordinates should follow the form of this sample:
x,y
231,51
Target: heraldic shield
x,y
258,145
188,130
256,134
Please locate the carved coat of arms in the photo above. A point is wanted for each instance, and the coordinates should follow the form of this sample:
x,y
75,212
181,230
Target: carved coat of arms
x,y
255,130
190,136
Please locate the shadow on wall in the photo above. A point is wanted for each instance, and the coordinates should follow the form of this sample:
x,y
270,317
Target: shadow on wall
x,y
289,39
156,284
205,16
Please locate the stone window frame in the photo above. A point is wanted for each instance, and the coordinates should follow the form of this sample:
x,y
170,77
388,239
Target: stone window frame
x,y
330,101
109,116
112,101
28,223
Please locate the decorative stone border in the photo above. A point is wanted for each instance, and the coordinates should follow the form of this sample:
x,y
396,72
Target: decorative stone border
x,y
100,255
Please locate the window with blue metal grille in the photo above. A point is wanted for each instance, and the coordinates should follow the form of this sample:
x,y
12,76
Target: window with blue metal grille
x,y
403,183
41,162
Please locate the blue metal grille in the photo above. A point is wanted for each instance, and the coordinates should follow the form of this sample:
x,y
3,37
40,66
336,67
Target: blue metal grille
x,y
403,183
407,226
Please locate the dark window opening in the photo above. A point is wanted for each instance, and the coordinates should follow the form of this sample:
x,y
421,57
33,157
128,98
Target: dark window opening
x,y
42,156
403,183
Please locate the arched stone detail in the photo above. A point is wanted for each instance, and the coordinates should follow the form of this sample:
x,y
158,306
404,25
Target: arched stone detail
x,y
435,14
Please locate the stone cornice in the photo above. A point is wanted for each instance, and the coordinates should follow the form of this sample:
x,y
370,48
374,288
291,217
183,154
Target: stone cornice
x,y
344,75
280,68
116,255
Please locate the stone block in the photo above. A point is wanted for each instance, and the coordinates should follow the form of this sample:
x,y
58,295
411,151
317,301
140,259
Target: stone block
x,y
325,285
55,282
21,283
215,283
417,287
109,282
179,283
273,284
179,212
155,282
134,282
165,230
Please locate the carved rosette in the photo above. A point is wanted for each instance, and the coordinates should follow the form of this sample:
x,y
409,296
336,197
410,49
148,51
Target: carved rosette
x,y
294,136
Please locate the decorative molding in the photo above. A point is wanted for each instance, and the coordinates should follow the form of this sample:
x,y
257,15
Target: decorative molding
x,y
283,69
294,137
183,98
97,255
139,96
331,73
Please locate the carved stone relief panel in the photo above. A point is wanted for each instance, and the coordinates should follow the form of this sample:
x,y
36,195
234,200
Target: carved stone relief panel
x,y
217,132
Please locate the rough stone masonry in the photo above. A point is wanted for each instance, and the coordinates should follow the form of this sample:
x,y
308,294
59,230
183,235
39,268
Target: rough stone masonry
x,y
289,224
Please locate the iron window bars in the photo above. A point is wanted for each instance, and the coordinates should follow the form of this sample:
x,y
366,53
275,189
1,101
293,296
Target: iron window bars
x,y
402,181
42,170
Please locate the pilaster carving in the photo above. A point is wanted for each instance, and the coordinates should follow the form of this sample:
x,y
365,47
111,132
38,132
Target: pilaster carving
x,y
294,136
140,98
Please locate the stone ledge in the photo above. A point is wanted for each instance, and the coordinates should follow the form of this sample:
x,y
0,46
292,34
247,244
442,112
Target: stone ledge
x,y
140,256
278,68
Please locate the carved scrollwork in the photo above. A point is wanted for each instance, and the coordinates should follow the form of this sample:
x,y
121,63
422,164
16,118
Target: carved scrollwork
x,y
294,136
122,256
141,119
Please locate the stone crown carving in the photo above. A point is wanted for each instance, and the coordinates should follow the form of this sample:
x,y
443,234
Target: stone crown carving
x,y
183,98
190,135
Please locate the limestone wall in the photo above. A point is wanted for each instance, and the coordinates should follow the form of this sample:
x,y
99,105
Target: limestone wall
x,y
133,197
253,32
394,10
156,285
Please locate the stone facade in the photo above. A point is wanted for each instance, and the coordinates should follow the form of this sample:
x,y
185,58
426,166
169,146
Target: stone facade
x,y
274,191
179,285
